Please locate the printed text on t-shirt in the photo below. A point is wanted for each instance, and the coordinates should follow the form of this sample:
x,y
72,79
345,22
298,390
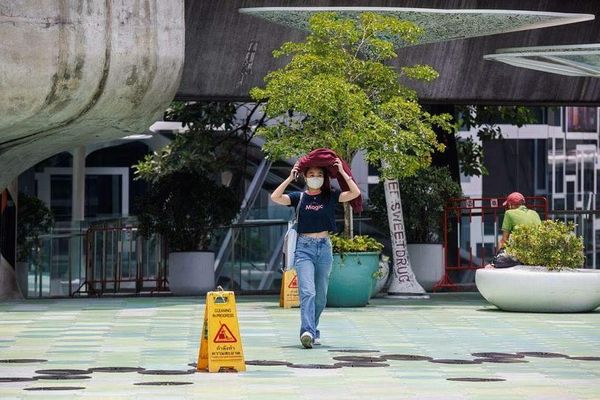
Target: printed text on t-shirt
x,y
314,207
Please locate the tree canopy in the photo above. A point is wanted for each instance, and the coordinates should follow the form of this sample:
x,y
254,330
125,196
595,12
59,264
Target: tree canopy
x,y
338,92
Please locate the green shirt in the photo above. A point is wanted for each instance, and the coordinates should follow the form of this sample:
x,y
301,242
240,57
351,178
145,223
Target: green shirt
x,y
519,216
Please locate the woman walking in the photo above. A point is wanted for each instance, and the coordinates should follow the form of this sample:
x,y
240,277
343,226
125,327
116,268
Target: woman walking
x,y
316,218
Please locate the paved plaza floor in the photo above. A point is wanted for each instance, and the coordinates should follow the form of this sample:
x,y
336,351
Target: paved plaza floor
x,y
162,333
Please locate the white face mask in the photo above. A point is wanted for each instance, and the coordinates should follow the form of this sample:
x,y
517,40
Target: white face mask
x,y
315,182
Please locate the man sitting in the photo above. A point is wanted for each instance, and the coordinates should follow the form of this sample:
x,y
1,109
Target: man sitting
x,y
516,214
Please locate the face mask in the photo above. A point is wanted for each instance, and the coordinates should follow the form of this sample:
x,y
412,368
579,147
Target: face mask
x,y
314,182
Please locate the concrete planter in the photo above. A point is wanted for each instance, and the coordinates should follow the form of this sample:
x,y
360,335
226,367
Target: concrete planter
x,y
535,289
427,262
191,273
351,279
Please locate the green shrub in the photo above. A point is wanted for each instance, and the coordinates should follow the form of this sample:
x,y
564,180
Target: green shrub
x,y
357,244
553,244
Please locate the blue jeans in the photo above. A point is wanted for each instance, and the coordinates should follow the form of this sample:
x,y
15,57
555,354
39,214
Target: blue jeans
x,y
313,259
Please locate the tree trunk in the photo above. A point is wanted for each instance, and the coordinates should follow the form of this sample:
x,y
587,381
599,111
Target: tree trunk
x,y
348,221
348,216
403,282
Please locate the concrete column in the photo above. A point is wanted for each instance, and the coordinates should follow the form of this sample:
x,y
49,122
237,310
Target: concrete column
x,y
78,196
8,243
80,72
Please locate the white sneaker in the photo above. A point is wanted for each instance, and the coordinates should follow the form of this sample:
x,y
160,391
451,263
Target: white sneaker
x,y
307,340
317,342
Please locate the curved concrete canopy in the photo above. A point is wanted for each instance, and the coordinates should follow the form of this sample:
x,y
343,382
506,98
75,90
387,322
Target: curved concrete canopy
x,y
228,52
440,25
571,60
74,73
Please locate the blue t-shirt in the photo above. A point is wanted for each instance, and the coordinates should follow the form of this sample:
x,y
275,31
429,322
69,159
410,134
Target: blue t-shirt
x,y
317,213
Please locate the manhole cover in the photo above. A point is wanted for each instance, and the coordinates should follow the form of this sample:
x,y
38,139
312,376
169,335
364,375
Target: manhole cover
x,y
315,366
452,361
405,357
62,371
23,360
585,358
501,360
62,377
361,364
116,369
542,354
358,359
476,379
268,363
163,383
56,388
497,355
9,379
353,351
166,372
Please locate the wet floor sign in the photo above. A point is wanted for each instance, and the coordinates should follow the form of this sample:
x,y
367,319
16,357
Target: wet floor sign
x,y
221,344
288,296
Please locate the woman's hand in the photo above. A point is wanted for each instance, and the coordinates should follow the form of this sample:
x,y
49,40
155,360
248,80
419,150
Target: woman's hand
x,y
338,163
295,171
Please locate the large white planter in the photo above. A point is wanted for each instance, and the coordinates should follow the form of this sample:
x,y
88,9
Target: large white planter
x,y
427,262
191,273
535,289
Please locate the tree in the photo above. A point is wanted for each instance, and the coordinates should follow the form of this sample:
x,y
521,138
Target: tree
x,y
338,92
186,201
215,141
187,208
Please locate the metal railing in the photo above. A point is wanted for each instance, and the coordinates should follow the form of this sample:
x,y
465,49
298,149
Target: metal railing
x,y
120,260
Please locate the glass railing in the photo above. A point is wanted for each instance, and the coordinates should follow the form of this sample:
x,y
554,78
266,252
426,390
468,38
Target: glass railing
x,y
54,264
253,262
92,256
110,257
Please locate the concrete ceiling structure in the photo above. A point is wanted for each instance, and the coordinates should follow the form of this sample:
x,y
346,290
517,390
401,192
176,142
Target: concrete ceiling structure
x,y
228,52
574,60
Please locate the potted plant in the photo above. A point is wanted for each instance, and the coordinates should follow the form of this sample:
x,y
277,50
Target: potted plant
x,y
34,219
551,278
355,262
187,208
424,196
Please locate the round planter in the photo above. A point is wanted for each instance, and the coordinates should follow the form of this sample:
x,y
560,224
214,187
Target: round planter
x,y
427,262
535,289
191,273
351,279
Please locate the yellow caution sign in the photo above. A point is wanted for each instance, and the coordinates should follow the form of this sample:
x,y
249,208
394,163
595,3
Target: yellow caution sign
x,y
288,295
221,344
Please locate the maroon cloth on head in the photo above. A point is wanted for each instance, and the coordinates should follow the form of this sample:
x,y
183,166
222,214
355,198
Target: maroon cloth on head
x,y
325,158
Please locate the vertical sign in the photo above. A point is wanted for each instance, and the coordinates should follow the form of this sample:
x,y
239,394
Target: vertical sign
x,y
403,279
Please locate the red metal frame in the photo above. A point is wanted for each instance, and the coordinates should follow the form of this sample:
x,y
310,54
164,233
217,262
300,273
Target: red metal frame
x,y
91,282
469,207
